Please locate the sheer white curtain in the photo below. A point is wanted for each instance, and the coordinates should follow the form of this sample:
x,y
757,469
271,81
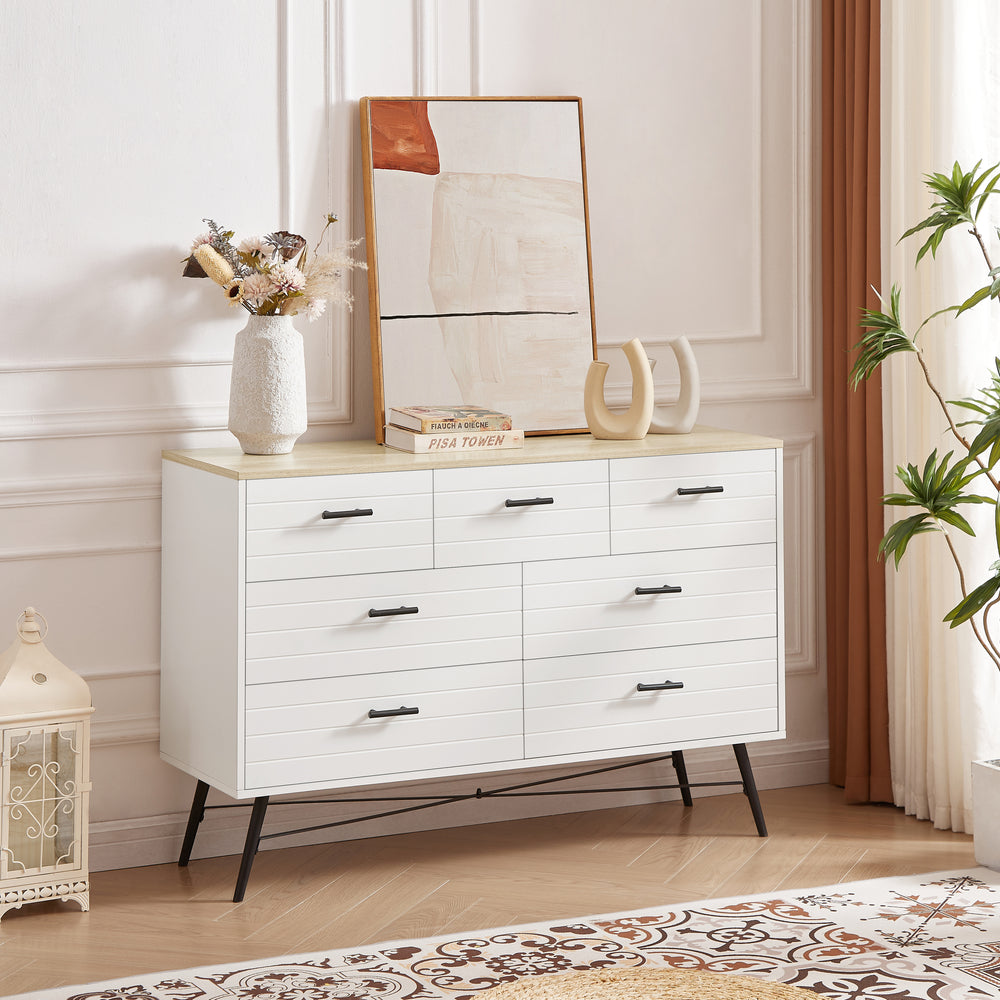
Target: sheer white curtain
x,y
941,103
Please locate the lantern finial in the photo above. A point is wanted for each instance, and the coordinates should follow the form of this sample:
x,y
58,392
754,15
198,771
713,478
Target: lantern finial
x,y
27,626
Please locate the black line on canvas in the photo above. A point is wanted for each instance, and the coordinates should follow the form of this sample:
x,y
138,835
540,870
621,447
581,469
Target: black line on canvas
x,y
490,312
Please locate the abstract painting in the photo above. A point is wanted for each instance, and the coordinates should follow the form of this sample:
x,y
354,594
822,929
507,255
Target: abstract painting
x,y
480,290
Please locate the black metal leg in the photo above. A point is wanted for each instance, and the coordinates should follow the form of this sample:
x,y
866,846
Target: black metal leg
x,y
750,787
677,759
250,847
195,817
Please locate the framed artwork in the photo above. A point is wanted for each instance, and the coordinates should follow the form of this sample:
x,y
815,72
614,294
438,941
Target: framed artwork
x,y
479,282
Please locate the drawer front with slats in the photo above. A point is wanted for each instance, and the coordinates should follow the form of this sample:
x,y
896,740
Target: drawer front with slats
x,y
322,525
683,501
521,512
337,626
578,606
392,723
647,697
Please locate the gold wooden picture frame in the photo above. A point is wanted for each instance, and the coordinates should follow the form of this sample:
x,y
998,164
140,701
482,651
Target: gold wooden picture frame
x,y
480,285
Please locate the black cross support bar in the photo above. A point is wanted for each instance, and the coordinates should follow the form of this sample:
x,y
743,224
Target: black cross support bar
x,y
260,804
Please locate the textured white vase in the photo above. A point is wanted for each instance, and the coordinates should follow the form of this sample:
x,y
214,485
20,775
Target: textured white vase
x,y
634,422
267,393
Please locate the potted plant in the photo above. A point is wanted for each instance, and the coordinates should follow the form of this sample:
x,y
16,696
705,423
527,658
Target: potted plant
x,y
938,490
274,278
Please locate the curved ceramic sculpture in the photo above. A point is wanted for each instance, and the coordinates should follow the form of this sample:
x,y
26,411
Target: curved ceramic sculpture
x,y
680,418
633,424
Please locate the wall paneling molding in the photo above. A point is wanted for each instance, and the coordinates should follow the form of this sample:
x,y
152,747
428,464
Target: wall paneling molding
x,y
802,546
797,379
39,492
426,69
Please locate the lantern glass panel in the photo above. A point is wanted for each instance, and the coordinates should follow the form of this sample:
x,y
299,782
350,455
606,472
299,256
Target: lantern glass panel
x,y
41,800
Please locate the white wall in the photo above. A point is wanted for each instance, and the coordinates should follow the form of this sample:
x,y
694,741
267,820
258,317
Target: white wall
x,y
126,122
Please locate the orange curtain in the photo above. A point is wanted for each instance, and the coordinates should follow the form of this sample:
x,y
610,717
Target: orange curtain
x,y
852,420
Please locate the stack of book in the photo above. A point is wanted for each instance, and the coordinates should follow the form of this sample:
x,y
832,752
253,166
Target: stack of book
x,y
432,429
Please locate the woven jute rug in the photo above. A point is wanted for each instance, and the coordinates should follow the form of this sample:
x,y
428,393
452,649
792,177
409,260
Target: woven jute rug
x,y
923,937
648,984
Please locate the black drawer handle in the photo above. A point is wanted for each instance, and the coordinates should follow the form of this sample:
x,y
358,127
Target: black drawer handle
x,y
663,686
536,502
386,713
665,589
386,612
686,491
358,512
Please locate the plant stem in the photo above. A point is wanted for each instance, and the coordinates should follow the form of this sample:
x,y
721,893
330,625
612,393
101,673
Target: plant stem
x,y
982,246
990,649
986,625
951,423
330,220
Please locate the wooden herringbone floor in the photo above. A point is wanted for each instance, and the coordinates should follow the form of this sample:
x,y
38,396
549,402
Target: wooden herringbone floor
x,y
423,884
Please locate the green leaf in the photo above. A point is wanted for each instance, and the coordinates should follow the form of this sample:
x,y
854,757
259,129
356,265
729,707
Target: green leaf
x,y
956,520
883,337
959,199
974,602
933,315
975,299
939,489
898,537
990,188
986,404
988,437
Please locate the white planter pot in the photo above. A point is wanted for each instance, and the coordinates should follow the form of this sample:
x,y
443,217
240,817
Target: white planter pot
x,y
267,393
986,812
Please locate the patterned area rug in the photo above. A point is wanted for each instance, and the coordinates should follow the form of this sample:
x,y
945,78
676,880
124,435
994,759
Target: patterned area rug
x,y
926,937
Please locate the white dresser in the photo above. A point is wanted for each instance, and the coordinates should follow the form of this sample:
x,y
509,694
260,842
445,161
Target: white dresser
x,y
351,615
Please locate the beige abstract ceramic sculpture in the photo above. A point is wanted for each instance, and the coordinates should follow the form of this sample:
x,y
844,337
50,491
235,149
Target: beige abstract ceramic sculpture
x,y
633,424
680,418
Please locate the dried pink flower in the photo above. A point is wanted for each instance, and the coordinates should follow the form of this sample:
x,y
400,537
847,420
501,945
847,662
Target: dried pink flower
x,y
256,246
315,308
287,278
257,287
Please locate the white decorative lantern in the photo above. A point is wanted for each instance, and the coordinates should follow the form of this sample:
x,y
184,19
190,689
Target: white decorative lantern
x,y
45,778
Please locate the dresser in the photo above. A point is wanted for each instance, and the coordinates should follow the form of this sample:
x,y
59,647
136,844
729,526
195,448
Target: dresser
x,y
348,615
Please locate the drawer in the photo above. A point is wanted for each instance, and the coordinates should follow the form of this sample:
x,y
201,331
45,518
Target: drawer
x,y
721,691
683,501
578,606
321,730
324,627
522,512
323,525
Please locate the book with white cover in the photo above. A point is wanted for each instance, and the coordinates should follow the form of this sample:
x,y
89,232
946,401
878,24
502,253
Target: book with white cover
x,y
422,444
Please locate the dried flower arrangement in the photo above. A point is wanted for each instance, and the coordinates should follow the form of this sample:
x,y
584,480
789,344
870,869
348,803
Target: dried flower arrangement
x,y
259,273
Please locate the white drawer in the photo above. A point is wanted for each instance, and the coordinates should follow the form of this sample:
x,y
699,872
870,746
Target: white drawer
x,y
577,606
589,704
322,525
322,730
683,501
313,628
521,512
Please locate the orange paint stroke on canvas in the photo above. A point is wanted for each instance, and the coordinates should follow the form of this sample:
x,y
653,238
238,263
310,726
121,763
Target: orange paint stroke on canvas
x,y
402,137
